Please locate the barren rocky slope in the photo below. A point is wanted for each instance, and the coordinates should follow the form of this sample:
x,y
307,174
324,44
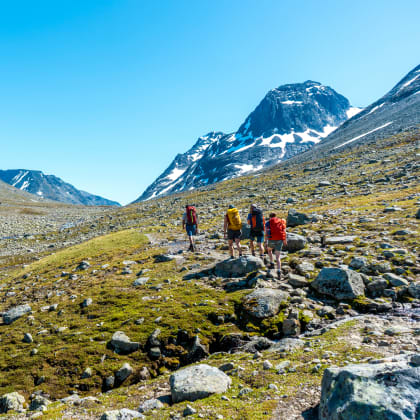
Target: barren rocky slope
x,y
100,327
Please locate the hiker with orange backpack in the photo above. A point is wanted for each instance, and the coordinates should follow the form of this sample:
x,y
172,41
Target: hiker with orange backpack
x,y
257,225
275,239
190,224
232,228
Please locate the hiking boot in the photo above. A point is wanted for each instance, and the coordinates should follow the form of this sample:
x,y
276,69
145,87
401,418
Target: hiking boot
x,y
271,266
253,253
265,259
231,257
279,274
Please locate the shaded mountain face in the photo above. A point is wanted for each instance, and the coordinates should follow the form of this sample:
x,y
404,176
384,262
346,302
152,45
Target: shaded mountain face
x,y
51,187
397,111
289,120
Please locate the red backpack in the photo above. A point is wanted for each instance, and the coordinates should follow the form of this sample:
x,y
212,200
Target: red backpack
x,y
191,215
277,229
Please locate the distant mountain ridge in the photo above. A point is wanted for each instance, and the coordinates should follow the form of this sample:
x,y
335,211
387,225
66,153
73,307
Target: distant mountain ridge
x,y
289,120
51,187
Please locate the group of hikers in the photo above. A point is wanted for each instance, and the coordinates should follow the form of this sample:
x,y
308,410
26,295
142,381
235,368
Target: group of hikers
x,y
267,235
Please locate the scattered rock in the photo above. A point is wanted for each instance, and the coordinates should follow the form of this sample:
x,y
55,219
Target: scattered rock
x,y
395,280
295,218
140,281
87,302
123,373
264,303
15,313
339,283
121,344
338,240
39,403
295,242
149,405
196,382
12,401
123,414
297,281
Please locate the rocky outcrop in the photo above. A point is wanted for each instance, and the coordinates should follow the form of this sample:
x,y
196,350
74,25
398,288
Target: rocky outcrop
x,y
387,390
197,382
339,283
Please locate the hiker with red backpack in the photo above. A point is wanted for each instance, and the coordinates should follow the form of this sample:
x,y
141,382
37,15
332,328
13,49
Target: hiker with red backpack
x,y
232,228
275,239
257,225
190,224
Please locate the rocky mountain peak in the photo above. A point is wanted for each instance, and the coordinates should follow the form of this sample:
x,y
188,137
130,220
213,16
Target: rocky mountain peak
x,y
290,119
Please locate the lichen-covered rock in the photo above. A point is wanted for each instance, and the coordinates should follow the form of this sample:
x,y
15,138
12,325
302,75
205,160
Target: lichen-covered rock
x,y
388,390
15,313
339,283
238,267
12,401
264,303
196,382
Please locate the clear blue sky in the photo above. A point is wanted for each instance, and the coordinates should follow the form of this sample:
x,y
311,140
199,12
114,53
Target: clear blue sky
x,y
105,93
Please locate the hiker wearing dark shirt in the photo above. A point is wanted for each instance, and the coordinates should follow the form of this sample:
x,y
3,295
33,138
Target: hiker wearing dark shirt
x,y
257,227
190,224
232,229
275,229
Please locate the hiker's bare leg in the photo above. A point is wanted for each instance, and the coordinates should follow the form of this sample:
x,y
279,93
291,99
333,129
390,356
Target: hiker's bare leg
x,y
270,255
260,247
230,243
251,247
238,245
278,261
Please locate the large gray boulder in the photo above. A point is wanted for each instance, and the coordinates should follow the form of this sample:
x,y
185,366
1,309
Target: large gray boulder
x,y
196,382
388,390
295,242
414,290
12,401
238,267
339,283
264,303
15,313
121,344
295,218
